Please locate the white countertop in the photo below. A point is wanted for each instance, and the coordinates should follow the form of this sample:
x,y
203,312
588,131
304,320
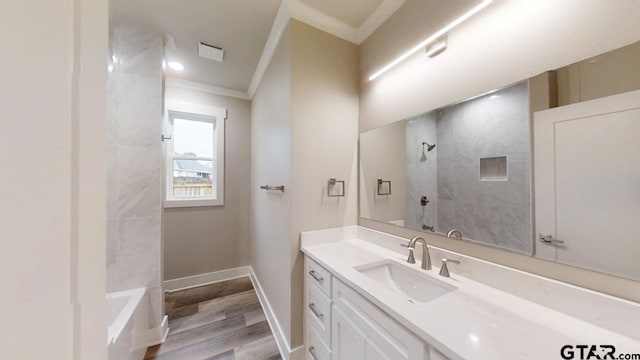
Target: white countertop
x,y
473,322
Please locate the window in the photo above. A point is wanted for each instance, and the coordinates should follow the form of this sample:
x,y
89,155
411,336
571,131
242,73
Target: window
x,y
194,154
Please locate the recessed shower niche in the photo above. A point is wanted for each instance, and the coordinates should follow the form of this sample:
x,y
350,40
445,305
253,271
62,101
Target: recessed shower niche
x,y
493,169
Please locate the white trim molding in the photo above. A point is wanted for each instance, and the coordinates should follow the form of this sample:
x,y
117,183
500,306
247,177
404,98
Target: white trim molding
x,y
356,35
192,111
206,88
305,13
277,29
152,337
281,340
205,279
189,282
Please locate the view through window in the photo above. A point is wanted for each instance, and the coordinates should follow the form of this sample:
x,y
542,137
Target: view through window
x,y
194,159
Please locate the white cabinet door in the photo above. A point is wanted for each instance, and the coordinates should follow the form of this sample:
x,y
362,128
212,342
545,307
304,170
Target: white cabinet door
x,y
371,333
373,352
348,341
587,171
352,343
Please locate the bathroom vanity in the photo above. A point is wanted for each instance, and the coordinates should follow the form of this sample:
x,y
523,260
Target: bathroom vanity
x,y
364,301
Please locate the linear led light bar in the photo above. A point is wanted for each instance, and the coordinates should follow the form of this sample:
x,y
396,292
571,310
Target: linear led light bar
x,y
432,38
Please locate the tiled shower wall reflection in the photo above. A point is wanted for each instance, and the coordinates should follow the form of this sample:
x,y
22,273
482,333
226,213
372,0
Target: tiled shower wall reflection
x,y
422,174
134,162
495,212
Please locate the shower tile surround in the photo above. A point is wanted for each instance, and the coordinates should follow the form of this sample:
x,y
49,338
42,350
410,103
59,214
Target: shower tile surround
x,y
134,163
422,172
491,211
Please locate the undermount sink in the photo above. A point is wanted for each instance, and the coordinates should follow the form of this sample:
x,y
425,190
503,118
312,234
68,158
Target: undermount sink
x,y
417,287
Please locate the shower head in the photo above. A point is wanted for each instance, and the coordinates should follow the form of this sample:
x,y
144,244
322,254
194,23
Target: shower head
x,y
429,146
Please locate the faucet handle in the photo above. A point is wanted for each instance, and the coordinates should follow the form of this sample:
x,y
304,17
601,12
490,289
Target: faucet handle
x,y
444,271
411,259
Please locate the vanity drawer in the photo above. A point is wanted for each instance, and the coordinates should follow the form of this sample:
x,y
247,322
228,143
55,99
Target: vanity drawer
x,y
315,348
316,274
318,307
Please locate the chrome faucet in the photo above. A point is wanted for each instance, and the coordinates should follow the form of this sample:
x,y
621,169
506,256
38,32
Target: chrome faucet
x,y
426,258
455,233
444,271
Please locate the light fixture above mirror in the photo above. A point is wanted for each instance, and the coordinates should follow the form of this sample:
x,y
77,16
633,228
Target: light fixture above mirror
x,y
432,38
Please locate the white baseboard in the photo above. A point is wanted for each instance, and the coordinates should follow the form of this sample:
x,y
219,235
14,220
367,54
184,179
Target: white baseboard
x,y
205,279
210,278
153,336
281,340
297,353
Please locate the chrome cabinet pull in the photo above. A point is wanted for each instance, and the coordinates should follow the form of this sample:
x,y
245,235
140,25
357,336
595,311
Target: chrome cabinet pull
x,y
315,275
315,311
312,351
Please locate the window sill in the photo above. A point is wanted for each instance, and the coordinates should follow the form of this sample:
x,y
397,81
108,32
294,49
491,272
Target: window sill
x,y
192,203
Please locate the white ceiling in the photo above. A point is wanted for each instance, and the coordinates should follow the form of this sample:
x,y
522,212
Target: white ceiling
x,y
241,28
353,12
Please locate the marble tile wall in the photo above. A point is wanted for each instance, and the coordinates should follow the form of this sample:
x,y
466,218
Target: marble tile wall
x,y
422,176
493,212
135,163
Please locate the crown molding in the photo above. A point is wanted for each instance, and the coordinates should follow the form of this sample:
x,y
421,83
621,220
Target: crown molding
x,y
377,18
277,29
299,11
331,25
196,86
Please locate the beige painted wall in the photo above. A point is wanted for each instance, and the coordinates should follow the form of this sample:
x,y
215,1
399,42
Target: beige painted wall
x,y
270,244
206,239
53,221
502,45
383,154
608,74
324,116
304,131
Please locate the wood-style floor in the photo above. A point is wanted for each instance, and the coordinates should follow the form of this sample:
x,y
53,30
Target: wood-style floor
x,y
222,321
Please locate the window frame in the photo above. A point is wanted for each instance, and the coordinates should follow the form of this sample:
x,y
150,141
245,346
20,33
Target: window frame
x,y
194,112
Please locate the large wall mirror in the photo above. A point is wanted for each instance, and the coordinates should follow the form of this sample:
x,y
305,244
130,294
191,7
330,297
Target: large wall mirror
x,y
548,166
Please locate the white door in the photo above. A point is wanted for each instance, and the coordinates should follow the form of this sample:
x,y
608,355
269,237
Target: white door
x,y
587,183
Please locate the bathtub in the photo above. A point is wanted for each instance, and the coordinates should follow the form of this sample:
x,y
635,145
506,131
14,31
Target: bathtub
x,y
128,319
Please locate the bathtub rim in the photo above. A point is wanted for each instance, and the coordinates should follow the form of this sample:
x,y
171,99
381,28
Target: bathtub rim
x,y
114,329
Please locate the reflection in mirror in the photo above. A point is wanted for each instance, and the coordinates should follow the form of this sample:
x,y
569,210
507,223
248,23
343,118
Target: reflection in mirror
x,y
464,167
469,166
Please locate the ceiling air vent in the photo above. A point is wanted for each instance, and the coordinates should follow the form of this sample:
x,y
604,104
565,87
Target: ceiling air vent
x,y
210,52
